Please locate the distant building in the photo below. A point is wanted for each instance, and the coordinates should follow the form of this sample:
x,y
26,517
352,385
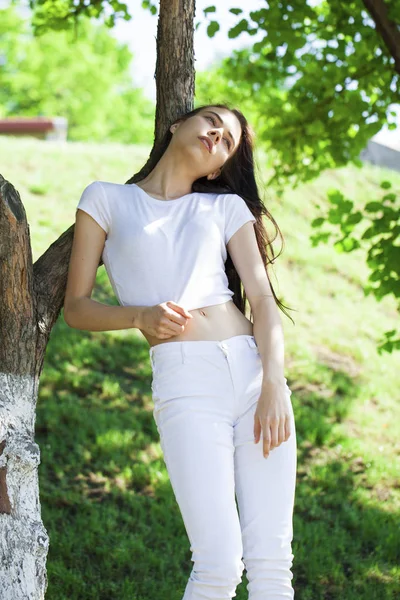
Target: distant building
x,y
383,150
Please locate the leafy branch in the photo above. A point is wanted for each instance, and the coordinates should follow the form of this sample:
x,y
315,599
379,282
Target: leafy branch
x,y
381,238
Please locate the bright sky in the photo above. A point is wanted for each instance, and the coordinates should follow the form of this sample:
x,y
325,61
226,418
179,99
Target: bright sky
x,y
141,32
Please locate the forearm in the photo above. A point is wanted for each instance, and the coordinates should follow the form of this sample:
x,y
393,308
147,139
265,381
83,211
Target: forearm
x,y
90,315
268,333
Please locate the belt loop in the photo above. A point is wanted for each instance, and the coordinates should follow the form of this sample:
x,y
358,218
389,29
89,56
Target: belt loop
x,y
251,341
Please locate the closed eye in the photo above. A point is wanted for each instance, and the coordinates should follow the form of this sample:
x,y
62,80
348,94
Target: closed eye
x,y
226,139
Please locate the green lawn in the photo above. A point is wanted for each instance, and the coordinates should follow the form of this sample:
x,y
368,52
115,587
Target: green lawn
x,y
107,503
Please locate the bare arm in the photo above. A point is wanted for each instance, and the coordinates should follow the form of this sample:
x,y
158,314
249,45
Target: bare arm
x,y
268,332
90,315
267,328
273,416
80,311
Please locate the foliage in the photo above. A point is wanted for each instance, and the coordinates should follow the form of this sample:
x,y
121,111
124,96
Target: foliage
x,y
381,237
66,14
321,77
87,82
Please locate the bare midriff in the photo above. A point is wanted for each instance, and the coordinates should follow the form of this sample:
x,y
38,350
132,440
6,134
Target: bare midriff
x,y
217,322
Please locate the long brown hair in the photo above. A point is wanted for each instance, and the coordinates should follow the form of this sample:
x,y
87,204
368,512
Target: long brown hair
x,y
236,177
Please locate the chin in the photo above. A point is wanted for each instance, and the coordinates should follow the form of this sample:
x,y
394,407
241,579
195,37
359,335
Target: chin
x,y
194,154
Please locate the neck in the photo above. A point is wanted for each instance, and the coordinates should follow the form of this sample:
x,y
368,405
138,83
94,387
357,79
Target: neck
x,y
171,178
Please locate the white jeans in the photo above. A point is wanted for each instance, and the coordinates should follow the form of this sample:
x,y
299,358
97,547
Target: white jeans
x,y
205,394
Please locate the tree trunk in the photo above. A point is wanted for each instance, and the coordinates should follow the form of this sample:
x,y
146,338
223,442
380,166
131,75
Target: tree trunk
x,y
31,298
388,29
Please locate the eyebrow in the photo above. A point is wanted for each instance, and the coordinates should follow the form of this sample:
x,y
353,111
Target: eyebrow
x,y
222,123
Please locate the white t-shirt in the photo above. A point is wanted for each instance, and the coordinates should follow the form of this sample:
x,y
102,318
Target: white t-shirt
x,y
160,250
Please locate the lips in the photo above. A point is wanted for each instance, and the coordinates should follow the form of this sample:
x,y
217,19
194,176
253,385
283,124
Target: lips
x,y
207,141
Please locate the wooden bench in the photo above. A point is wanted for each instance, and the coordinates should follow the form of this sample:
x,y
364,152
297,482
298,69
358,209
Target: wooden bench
x,y
45,128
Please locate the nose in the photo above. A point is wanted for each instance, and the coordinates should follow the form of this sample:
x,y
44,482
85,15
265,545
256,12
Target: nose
x,y
216,136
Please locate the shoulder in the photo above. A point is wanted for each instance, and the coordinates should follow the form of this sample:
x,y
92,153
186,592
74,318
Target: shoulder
x,y
225,202
110,188
233,197
107,192
234,204
209,195
211,199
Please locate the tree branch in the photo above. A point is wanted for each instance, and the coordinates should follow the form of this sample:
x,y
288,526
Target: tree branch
x,y
387,29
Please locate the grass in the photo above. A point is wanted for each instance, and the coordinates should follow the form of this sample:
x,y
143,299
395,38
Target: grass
x,y
107,503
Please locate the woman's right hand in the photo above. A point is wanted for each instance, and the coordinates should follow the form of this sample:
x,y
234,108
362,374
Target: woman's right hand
x,y
164,320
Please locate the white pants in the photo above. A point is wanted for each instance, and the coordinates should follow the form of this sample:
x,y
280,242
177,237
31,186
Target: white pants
x,y
205,394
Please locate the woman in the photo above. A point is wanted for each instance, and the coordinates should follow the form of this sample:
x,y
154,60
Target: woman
x,y
218,383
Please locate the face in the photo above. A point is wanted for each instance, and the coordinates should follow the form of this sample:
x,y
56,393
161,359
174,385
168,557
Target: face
x,y
217,125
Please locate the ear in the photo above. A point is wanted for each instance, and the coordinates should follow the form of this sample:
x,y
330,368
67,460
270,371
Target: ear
x,y
174,127
214,175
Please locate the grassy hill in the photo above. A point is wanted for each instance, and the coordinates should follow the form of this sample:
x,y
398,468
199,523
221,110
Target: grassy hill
x,y
114,525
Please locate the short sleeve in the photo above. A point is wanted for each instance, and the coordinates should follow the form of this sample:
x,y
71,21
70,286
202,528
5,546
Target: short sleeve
x,y
237,213
94,202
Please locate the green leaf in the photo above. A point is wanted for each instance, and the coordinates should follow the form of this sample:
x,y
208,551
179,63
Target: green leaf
x,y
212,28
318,222
354,218
373,206
238,29
390,333
335,196
369,233
375,276
335,216
391,197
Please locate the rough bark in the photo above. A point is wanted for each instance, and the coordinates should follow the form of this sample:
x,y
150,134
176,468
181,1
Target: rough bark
x,y
175,73
387,29
31,298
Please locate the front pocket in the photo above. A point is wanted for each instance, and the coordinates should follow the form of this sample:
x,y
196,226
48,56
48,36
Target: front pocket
x,y
183,378
255,350
165,369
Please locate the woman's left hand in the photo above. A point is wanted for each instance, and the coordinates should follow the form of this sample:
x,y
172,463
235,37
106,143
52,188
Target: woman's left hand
x,y
273,415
